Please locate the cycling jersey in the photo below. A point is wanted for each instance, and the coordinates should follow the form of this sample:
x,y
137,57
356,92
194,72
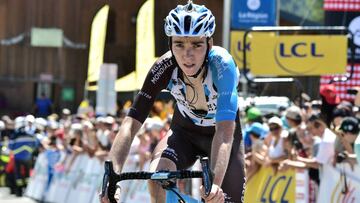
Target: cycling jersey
x,y
187,141
193,129
219,82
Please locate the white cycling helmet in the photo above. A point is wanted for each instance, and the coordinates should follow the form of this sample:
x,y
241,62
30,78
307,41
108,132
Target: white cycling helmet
x,y
190,20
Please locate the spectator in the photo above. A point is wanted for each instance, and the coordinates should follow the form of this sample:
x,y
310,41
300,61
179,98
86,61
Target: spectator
x,y
30,128
256,156
2,126
253,115
65,117
153,127
357,149
297,136
2,129
275,139
8,128
259,128
315,107
43,106
325,153
291,162
348,133
103,132
144,148
330,99
76,138
22,146
89,139
157,111
340,113
85,108
53,155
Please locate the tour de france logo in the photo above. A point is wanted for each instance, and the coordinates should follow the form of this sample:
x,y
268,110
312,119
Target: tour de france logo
x,y
253,4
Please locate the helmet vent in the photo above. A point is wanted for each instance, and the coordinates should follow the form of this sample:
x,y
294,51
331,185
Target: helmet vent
x,y
206,23
197,29
176,18
201,18
177,30
189,7
190,20
211,25
187,24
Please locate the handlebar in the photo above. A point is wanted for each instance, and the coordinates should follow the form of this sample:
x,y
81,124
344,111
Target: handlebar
x,y
111,178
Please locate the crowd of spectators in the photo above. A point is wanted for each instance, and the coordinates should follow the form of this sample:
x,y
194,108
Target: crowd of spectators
x,y
304,136
63,137
307,137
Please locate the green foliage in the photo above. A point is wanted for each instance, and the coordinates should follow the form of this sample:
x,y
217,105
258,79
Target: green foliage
x,y
312,10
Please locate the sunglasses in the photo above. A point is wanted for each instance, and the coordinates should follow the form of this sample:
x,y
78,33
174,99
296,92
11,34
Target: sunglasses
x,y
274,128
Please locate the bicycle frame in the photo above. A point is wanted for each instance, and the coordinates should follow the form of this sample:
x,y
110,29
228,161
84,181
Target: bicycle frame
x,y
165,178
171,197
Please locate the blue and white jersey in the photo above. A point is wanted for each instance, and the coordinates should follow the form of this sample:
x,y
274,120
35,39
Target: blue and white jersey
x,y
219,84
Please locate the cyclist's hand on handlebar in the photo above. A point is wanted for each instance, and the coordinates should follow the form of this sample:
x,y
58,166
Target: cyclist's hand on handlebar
x,y
105,198
216,195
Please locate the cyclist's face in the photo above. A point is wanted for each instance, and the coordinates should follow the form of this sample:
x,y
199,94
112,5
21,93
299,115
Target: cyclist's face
x,y
190,53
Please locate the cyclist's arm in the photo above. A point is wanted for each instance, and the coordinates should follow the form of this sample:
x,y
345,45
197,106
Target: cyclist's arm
x,y
221,148
156,80
121,146
226,81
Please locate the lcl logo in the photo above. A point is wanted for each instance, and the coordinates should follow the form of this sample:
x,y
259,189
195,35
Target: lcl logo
x,y
238,50
288,54
300,50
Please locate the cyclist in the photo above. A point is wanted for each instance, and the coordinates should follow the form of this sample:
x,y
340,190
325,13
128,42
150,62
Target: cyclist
x,y
203,79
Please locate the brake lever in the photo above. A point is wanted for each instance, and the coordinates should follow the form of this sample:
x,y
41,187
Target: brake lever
x,y
109,182
207,175
105,178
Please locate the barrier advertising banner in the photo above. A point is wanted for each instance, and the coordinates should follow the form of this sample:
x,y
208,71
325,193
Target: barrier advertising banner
x,y
37,182
340,184
248,13
267,186
297,55
79,180
237,46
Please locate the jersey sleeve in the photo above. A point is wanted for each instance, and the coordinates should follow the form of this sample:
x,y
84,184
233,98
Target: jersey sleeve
x,y
156,80
225,78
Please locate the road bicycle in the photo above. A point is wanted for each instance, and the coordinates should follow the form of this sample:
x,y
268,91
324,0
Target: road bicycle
x,y
167,180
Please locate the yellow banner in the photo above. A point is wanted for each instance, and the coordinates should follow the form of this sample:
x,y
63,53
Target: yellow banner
x,y
97,43
297,55
145,40
237,46
145,49
265,186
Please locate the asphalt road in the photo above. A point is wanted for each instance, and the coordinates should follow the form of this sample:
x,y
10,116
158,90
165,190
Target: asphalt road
x,y
6,197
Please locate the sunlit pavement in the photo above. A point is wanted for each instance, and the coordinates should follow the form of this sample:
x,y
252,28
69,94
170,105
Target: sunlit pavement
x,y
6,197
